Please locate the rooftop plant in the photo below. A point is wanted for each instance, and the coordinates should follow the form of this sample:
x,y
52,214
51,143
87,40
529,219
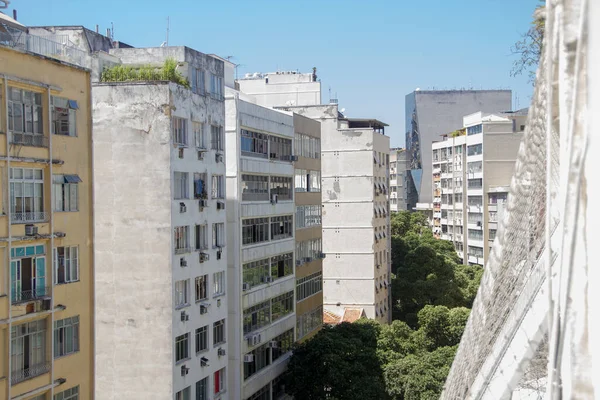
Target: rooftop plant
x,y
125,73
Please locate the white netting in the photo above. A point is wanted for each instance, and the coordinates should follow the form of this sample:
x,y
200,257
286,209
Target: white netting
x,y
513,273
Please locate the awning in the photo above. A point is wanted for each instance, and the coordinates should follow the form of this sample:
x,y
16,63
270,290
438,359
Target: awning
x,y
72,179
73,105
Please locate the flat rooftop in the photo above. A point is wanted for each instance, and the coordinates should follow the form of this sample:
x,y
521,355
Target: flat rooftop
x,y
364,123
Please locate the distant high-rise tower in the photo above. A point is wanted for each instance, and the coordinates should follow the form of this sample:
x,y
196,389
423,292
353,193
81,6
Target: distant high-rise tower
x,y
430,114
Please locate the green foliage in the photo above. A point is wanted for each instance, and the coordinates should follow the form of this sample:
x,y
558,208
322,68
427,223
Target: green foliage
x,y
124,73
339,362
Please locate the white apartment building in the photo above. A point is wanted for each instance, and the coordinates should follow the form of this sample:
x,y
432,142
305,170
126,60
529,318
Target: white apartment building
x,y
283,88
472,169
261,237
398,193
159,237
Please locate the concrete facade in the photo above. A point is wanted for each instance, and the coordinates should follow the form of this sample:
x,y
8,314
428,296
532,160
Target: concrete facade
x,y
160,187
287,88
471,173
399,188
46,312
430,114
261,264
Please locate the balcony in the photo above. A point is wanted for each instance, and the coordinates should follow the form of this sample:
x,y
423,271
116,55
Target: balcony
x,y
24,296
30,372
28,139
26,217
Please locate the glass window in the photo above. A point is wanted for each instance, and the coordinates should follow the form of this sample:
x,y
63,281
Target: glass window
x,y
182,297
474,150
64,116
309,285
202,339
254,272
180,135
282,305
218,235
216,135
254,144
255,230
66,336
200,190
184,394
220,384
219,332
280,148
282,265
218,283
218,189
282,187
69,394
216,87
257,316
201,285
182,239
472,130
66,264
201,237
202,389
282,227
181,190
255,188
27,195
182,347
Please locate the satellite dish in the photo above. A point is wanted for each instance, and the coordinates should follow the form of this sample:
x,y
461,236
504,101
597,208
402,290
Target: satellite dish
x,y
163,44
342,110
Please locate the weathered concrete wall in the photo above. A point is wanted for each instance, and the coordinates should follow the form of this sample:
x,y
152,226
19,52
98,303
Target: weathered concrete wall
x,y
133,299
283,89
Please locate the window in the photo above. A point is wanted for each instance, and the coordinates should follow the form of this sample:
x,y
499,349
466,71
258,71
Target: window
x,y
475,251
201,237
218,235
254,272
182,297
254,144
308,250
282,265
199,140
475,183
66,264
198,81
307,146
28,350
216,135
199,186
218,191
69,394
25,116
475,234
202,389
307,216
474,167
282,187
64,116
492,235
66,336
182,350
219,381
474,150
262,359
219,283
284,342
201,287
280,148
472,130
27,195
314,181
309,285
282,227
216,87
309,321
263,394
185,394
66,193
255,230
282,305
202,339
255,188
219,332
181,185
257,316
182,239
180,136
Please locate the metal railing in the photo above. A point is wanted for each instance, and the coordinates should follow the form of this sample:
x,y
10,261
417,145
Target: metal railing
x,y
31,372
24,217
44,46
183,250
29,139
29,295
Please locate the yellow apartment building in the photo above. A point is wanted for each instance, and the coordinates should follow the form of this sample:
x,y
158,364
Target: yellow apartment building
x,y
46,284
309,249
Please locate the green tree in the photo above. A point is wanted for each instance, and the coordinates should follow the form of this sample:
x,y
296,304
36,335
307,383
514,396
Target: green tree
x,y
529,48
339,362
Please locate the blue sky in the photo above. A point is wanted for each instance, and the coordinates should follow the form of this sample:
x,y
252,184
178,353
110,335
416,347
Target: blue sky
x,y
370,53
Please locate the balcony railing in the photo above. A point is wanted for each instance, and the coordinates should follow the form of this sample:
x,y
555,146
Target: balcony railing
x,y
183,250
31,372
29,295
24,217
29,139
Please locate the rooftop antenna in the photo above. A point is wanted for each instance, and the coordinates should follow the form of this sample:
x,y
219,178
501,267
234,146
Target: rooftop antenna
x,y
168,23
4,3
236,69
112,31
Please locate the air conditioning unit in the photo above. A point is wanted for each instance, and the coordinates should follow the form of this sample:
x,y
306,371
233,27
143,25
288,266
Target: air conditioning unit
x,y
46,304
274,199
182,208
202,203
184,316
221,352
268,279
219,254
182,262
181,152
248,358
246,286
200,155
218,157
253,340
184,370
307,259
274,344
203,309
31,230
322,255
479,223
203,257
299,263
204,362
220,205
293,158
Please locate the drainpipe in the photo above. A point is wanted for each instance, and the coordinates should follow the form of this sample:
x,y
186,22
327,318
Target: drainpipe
x,y
9,219
50,253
